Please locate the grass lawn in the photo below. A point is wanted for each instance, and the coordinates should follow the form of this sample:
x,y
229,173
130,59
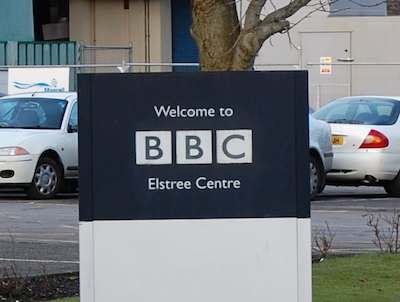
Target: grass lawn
x,y
373,277
362,278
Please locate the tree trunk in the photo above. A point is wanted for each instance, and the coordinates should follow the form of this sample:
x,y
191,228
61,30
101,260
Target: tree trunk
x,y
215,28
223,43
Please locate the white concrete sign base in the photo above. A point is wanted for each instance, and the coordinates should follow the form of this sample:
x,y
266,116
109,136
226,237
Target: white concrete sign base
x,y
213,260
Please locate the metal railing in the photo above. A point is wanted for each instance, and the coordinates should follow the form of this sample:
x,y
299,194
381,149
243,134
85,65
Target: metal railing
x,y
103,55
364,77
352,78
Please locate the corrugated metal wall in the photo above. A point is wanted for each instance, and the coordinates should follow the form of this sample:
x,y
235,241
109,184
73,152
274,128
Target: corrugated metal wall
x,y
3,53
38,53
47,53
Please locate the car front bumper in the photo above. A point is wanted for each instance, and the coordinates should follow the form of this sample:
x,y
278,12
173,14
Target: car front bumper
x,y
17,169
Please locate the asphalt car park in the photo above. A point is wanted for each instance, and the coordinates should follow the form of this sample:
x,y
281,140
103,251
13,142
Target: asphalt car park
x,y
43,235
38,236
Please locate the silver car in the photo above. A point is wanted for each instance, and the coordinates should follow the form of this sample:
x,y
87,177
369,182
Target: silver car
x,y
321,154
366,141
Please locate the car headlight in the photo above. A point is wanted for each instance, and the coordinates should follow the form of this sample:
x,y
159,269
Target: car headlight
x,y
12,151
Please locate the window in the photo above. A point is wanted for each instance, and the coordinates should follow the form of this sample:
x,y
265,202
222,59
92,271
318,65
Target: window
x,y
73,119
364,7
368,111
51,19
32,113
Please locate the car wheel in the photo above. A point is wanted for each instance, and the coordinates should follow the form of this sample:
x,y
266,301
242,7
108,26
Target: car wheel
x,y
316,177
393,187
47,179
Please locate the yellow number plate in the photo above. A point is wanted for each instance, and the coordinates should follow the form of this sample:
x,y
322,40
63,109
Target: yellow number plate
x,y
337,140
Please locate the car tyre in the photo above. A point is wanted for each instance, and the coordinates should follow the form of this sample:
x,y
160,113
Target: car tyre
x,y
316,177
47,180
393,187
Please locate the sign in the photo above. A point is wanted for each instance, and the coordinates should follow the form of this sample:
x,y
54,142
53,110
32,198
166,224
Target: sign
x,y
37,79
194,187
193,147
325,65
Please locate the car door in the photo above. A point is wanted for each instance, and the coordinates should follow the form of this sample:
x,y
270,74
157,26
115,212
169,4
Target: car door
x,y
71,143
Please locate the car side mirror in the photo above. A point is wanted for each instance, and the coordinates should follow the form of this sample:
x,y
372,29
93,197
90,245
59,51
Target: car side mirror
x,y
72,128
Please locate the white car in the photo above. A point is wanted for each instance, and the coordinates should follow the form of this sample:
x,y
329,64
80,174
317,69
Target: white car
x,y
366,141
320,154
39,142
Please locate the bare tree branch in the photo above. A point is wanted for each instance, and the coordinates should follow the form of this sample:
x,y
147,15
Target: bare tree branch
x,y
285,12
253,14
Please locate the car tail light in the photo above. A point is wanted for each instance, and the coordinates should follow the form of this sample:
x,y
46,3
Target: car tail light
x,y
375,139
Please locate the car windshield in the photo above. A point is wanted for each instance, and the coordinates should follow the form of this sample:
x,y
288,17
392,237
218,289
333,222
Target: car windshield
x,y
32,113
367,111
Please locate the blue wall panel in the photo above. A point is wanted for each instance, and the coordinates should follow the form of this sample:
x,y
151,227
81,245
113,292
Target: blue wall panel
x,y
184,48
358,8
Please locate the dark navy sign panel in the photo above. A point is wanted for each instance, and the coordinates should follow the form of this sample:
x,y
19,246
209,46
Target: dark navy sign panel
x,y
193,145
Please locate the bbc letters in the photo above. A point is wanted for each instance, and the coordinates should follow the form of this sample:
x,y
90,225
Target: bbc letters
x,y
193,147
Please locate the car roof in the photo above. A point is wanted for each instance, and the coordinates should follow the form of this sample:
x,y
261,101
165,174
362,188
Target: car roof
x,y
45,94
366,97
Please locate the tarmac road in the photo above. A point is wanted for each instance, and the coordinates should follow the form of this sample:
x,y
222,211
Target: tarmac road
x,y
38,237
343,209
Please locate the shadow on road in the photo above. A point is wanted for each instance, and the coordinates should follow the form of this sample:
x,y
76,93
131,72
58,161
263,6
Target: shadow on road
x,y
354,193
355,198
18,195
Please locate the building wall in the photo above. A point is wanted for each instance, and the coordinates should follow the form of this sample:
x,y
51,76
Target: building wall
x,y
373,53
363,53
144,23
16,20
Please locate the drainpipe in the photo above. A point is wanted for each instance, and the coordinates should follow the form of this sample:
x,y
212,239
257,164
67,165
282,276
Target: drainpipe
x,y
93,29
147,33
93,21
